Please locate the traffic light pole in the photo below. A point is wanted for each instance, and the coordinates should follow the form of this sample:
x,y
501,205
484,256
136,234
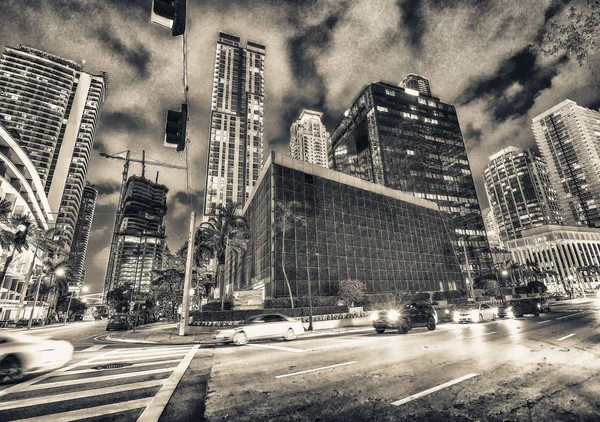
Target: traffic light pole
x,y
185,303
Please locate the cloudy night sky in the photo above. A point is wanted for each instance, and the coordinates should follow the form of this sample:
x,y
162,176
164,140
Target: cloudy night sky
x,y
320,55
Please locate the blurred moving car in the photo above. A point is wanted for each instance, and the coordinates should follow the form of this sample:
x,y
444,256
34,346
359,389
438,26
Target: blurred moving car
x,y
475,312
518,308
409,316
119,322
261,326
544,304
22,354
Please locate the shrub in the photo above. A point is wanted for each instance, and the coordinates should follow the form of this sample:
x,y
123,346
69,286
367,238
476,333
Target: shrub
x,y
420,297
215,306
352,291
301,301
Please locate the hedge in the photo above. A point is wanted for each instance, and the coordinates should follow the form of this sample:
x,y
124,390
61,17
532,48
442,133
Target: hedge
x,y
445,295
241,315
215,306
301,301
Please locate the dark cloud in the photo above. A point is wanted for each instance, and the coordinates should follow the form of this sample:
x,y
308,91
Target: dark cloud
x,y
138,57
413,20
122,121
521,68
472,135
108,188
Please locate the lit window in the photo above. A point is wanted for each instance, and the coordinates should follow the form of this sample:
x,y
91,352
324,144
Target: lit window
x,y
383,109
410,152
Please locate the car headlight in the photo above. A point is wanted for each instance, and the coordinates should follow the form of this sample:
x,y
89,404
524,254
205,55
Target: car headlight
x,y
374,316
446,311
393,315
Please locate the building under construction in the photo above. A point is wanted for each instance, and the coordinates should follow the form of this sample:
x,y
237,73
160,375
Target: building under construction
x,y
140,241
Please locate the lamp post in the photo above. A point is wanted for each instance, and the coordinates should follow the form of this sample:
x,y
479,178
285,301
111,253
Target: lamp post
x,y
310,310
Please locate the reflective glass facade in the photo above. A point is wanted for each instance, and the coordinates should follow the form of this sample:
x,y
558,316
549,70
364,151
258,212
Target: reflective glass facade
x,y
408,140
351,229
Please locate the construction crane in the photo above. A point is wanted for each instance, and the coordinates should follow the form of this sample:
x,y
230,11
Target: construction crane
x,y
119,216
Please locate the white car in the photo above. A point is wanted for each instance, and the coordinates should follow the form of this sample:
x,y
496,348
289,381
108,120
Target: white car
x,y
260,327
22,354
475,312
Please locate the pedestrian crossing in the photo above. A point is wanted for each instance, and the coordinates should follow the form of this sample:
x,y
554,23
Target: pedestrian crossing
x,y
121,384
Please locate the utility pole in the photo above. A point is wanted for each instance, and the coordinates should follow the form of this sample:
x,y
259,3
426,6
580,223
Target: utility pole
x,y
469,279
185,303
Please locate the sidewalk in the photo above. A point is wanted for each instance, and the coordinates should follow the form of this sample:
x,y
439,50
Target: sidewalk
x,y
167,333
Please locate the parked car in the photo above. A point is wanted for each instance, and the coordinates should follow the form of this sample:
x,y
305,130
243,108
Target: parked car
x,y
544,304
22,354
260,327
475,312
518,308
120,322
407,317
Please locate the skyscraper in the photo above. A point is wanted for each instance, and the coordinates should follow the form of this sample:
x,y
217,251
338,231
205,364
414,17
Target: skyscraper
x,y
141,240
568,136
82,235
520,193
53,107
236,123
308,138
408,140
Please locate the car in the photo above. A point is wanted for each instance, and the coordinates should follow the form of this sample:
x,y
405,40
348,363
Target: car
x,y
406,318
475,312
544,304
260,327
518,308
119,322
22,354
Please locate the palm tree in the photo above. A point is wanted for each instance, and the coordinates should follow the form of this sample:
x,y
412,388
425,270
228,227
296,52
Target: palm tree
x,y
56,270
18,243
286,218
227,230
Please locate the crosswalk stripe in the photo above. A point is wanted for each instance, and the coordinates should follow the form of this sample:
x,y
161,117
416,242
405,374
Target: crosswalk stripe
x,y
90,412
161,399
121,359
93,348
79,394
137,354
97,379
135,365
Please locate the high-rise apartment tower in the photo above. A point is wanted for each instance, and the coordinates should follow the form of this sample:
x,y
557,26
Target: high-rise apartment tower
x,y
408,140
52,107
308,138
520,192
236,123
568,136
81,237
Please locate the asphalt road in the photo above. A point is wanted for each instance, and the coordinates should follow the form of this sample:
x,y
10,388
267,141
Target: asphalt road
x,y
532,369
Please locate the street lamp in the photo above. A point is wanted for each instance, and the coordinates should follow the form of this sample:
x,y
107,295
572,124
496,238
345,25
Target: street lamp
x,y
504,273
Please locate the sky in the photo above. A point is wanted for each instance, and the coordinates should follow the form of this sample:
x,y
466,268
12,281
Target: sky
x,y
320,55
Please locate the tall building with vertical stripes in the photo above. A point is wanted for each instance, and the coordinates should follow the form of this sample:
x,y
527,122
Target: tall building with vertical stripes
x,y
52,107
235,149
82,236
521,196
568,136
308,138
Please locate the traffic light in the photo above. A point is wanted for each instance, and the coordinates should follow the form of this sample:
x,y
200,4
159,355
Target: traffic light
x,y
170,14
21,234
175,131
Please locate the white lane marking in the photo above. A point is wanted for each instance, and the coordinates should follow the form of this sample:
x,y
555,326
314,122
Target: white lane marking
x,y
93,348
121,358
161,399
433,390
543,322
36,401
316,369
566,337
135,365
567,316
98,379
90,412
480,335
284,349
26,385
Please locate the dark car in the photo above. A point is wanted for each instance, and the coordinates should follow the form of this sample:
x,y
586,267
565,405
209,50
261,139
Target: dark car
x,y
119,322
544,304
405,318
518,308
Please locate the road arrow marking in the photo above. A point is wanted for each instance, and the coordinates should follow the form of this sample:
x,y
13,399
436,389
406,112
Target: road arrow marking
x,y
566,337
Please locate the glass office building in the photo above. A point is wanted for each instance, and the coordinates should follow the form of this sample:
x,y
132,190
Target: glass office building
x,y
351,229
406,139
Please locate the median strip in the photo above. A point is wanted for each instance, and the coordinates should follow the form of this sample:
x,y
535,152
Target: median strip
x,y
433,390
566,337
316,369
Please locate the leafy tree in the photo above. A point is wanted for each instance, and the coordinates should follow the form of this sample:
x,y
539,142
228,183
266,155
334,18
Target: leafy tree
x,y
351,291
167,286
286,218
77,306
537,286
119,297
574,32
18,245
227,230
